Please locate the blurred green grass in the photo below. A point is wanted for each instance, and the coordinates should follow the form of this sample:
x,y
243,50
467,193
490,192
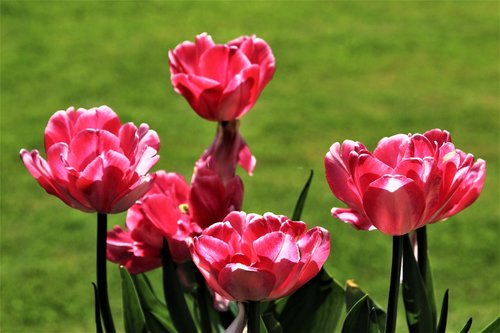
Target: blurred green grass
x,y
360,70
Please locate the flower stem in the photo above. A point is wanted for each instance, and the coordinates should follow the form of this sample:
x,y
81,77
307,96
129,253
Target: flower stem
x,y
253,312
422,252
174,296
392,302
102,284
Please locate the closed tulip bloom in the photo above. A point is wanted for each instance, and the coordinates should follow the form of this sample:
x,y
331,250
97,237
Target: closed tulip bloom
x,y
161,213
407,182
248,257
221,82
94,163
216,190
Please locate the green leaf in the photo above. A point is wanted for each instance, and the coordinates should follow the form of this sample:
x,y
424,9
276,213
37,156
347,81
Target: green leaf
x,y
467,326
493,327
299,206
98,324
315,307
424,265
418,313
362,318
132,312
155,312
441,328
174,295
353,294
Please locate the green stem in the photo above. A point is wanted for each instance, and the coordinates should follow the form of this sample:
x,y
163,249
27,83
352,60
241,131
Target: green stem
x,y
253,312
102,284
174,296
422,252
392,302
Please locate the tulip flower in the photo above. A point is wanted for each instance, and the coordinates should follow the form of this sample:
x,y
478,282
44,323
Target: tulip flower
x,y
248,257
407,182
162,212
216,190
94,163
221,82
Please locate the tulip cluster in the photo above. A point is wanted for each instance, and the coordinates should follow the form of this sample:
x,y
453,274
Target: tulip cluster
x,y
199,235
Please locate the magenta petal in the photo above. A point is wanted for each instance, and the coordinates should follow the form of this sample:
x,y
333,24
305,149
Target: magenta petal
x,y
102,118
89,144
246,283
339,178
245,158
162,212
438,137
213,250
60,127
357,220
390,150
132,194
40,170
394,204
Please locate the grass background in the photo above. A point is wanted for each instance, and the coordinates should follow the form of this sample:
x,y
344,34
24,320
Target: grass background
x,y
360,70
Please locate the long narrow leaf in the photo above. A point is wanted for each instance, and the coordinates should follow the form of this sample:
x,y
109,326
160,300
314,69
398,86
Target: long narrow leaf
x,y
467,326
494,327
316,307
426,271
441,328
133,316
174,296
299,206
155,312
418,312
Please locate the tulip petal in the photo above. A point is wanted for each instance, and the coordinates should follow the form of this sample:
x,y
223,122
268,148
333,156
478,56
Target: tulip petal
x,y
89,144
246,283
98,118
162,213
390,150
339,178
357,220
394,204
60,127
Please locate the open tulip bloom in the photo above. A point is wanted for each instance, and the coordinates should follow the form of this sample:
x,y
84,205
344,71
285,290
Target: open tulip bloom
x,y
408,181
95,164
210,250
221,82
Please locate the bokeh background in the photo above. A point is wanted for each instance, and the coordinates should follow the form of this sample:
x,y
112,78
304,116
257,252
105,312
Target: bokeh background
x,y
359,70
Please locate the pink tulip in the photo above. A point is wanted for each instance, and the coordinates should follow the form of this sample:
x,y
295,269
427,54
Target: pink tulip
x,y
162,212
216,190
94,163
248,257
221,82
407,182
